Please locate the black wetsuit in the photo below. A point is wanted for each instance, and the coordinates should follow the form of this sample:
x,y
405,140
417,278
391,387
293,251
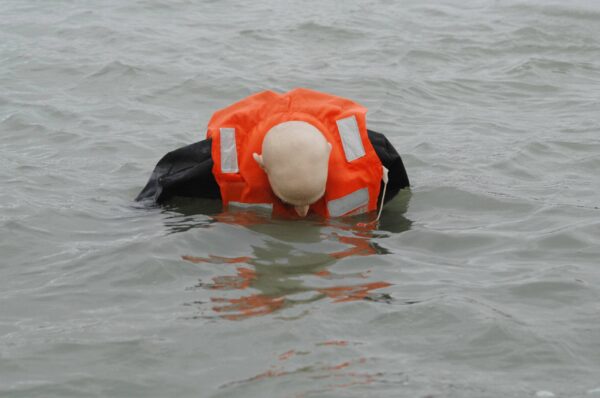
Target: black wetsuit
x,y
187,172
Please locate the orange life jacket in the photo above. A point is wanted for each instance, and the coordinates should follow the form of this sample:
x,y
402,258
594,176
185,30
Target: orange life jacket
x,y
237,131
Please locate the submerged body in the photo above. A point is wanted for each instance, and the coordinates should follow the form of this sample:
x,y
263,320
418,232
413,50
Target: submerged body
x,y
300,152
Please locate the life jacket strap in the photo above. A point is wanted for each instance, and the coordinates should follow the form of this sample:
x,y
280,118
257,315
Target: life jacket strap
x,y
385,182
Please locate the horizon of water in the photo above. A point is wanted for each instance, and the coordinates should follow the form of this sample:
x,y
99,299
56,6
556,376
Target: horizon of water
x,y
481,280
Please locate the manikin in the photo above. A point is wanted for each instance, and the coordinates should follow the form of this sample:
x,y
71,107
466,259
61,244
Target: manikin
x,y
301,152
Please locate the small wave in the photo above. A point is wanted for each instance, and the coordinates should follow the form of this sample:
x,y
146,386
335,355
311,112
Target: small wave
x,y
116,69
560,11
87,33
19,126
538,66
326,32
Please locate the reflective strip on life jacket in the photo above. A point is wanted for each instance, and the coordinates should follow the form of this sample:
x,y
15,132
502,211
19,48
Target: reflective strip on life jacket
x,y
229,161
352,204
351,141
261,206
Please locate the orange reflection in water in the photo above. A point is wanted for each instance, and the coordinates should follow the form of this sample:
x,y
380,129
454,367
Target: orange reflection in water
x,y
341,294
264,277
242,217
360,246
344,374
287,355
242,280
247,306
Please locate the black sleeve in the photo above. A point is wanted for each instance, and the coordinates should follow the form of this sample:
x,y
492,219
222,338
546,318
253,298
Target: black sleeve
x,y
391,160
186,171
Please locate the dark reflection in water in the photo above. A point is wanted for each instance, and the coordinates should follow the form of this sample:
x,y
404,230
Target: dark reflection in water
x,y
293,264
184,214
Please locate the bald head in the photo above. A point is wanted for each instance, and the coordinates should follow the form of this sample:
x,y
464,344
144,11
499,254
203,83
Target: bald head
x,y
295,156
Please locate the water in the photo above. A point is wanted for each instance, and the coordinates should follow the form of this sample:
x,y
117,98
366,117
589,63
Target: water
x,y
482,281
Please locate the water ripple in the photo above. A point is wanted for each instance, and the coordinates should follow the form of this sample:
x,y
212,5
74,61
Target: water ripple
x,y
480,281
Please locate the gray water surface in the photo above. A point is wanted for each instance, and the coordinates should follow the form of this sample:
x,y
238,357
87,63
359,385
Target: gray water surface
x,y
481,281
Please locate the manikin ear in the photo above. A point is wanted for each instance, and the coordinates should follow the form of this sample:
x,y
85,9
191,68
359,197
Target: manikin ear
x,y
258,158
